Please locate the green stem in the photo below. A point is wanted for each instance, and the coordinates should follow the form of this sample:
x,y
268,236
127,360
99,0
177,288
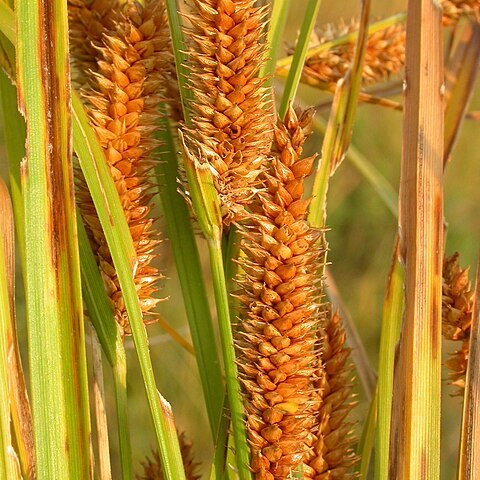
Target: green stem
x,y
367,440
231,371
298,60
120,386
391,323
119,241
187,261
278,20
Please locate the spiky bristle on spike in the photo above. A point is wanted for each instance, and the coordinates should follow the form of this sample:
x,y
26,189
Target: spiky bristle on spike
x,y
280,310
230,115
457,309
333,453
126,89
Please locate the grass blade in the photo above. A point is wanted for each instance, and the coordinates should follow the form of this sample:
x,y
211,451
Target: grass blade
x,y
187,261
469,468
14,126
367,440
460,78
298,60
121,403
180,56
379,183
15,144
340,124
207,211
54,307
365,370
98,306
121,248
9,466
105,472
391,323
416,409
107,332
274,38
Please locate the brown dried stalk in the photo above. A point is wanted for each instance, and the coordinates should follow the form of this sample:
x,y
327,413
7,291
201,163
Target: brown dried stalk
x,y
279,297
333,454
457,308
152,468
384,56
123,106
229,108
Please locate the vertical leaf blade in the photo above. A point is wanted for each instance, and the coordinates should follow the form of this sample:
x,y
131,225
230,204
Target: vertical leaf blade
x,y
8,462
415,438
469,468
54,305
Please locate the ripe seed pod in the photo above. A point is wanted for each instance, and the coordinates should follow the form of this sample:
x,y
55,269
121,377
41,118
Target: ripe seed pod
x,y
123,71
457,310
229,107
286,312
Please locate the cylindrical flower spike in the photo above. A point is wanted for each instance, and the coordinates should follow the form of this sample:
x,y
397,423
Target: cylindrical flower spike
x,y
333,449
454,9
152,468
280,311
229,107
126,90
384,56
457,310
89,20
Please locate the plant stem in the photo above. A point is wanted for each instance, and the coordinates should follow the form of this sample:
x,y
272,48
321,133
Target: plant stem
x,y
121,401
295,72
231,371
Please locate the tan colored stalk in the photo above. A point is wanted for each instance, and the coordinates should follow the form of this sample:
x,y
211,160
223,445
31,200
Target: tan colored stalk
x,y
152,467
123,102
229,109
415,434
457,309
280,311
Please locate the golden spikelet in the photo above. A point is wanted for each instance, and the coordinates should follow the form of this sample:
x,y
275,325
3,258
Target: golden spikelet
x,y
333,453
384,56
226,50
152,468
89,20
279,298
454,9
457,309
123,109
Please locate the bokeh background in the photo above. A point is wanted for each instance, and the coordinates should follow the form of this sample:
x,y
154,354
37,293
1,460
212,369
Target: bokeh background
x,y
361,237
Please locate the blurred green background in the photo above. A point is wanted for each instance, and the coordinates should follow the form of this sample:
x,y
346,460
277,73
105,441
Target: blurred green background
x,y
361,238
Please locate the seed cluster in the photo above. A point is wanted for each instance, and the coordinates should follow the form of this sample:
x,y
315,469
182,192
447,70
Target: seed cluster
x,y
152,468
229,114
457,309
384,56
123,106
454,9
280,311
333,456
89,20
